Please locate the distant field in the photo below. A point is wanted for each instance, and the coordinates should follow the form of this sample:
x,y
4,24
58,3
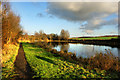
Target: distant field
x,y
95,38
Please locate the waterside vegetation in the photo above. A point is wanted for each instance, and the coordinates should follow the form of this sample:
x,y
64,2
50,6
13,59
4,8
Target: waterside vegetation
x,y
49,63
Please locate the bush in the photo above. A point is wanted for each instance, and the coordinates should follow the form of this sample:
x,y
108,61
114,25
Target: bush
x,y
61,52
69,53
54,51
48,49
104,61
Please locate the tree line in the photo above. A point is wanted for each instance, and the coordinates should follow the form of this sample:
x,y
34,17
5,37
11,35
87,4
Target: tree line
x,y
39,36
11,28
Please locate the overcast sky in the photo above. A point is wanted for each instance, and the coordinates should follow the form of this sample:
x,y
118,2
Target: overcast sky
x,y
79,18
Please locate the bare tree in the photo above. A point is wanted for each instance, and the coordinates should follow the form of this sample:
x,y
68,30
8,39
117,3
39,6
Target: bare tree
x,y
41,35
64,34
10,24
36,35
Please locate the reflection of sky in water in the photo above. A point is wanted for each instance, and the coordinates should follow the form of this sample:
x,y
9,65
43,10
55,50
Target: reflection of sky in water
x,y
85,50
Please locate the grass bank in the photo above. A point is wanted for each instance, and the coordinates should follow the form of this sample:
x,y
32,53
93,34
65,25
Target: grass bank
x,y
48,65
95,38
9,53
108,41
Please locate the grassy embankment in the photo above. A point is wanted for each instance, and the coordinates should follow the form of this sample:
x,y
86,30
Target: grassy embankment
x,y
82,39
9,54
48,65
95,38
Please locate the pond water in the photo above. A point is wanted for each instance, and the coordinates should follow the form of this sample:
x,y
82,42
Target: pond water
x,y
86,50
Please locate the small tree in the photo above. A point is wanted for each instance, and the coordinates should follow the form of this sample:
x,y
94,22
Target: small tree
x,y
64,34
36,36
41,35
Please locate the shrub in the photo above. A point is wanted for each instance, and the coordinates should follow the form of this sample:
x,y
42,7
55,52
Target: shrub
x,y
54,51
74,56
49,49
104,61
62,52
70,53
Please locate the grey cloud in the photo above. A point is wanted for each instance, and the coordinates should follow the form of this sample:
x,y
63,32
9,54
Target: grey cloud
x,y
119,18
97,25
89,31
82,28
92,12
40,15
51,16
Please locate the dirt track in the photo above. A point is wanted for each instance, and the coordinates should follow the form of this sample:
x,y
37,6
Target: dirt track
x,y
22,68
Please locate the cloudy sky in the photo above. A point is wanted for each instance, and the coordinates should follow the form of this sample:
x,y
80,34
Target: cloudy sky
x,y
79,18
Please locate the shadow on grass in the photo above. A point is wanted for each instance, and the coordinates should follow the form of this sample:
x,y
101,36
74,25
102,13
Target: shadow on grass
x,y
46,59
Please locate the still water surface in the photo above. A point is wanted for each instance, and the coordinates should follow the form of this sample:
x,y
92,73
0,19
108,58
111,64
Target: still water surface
x,y
86,50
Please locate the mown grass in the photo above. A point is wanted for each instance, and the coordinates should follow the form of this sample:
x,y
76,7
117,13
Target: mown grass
x,y
95,38
9,54
48,65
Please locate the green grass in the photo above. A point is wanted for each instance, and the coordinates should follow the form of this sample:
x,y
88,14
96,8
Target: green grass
x,y
95,38
7,71
47,65
8,64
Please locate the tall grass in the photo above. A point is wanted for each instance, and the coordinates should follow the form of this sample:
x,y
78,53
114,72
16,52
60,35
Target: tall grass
x,y
102,61
9,54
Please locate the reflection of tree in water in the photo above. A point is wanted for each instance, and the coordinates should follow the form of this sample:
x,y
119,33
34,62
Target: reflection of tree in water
x,y
119,53
52,44
64,47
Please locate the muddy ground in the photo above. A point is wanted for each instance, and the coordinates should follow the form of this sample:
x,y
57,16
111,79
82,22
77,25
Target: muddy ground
x,y
22,68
